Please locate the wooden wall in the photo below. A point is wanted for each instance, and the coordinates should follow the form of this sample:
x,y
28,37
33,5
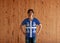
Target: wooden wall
x,y
12,12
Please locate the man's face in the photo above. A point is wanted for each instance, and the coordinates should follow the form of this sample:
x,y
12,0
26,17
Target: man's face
x,y
30,15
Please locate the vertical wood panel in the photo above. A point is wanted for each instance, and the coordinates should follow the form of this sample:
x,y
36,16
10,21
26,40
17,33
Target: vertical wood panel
x,y
13,12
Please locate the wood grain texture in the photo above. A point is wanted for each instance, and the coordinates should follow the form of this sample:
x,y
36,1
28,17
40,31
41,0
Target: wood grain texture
x,y
13,12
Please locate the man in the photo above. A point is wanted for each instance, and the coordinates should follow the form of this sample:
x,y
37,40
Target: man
x,y
30,24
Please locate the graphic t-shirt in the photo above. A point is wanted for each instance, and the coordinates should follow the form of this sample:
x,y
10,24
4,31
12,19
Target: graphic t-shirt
x,y
30,26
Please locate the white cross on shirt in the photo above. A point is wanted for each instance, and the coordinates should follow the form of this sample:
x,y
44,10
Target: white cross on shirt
x,y
30,28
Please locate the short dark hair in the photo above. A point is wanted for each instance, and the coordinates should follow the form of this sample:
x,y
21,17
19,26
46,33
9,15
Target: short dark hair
x,y
30,10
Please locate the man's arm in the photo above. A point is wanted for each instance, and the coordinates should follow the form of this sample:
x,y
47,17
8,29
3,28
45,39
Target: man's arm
x,y
21,27
39,30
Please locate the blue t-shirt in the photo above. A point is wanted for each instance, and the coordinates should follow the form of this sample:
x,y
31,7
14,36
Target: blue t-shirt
x,y
30,26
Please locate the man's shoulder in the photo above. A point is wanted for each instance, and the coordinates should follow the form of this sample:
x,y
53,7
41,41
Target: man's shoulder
x,y
26,19
35,19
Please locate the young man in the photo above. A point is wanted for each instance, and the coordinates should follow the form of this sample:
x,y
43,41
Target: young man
x,y
30,24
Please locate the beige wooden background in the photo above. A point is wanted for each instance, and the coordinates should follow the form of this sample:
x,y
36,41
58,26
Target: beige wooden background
x,y
12,12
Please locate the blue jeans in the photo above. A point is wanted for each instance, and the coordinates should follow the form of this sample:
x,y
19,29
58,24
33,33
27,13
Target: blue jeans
x,y
30,40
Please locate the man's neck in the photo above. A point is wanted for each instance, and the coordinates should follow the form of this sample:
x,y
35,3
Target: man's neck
x,y
30,19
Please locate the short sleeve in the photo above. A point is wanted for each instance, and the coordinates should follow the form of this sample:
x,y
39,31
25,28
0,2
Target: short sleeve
x,y
23,22
37,22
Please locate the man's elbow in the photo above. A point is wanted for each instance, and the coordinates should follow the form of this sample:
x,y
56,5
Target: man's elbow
x,y
40,25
